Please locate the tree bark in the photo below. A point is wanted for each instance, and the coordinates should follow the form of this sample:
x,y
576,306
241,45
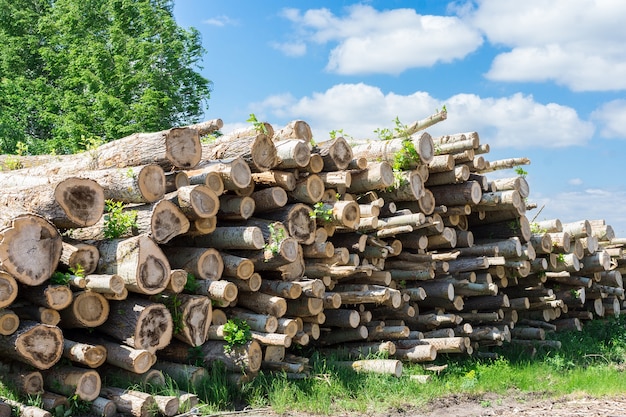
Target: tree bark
x,y
336,153
192,315
135,403
235,173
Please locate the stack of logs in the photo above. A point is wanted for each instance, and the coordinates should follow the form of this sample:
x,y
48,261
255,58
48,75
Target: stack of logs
x,y
402,246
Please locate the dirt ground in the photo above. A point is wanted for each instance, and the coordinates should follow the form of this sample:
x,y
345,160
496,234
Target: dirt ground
x,y
526,405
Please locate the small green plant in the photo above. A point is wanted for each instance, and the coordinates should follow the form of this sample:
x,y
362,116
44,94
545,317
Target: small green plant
x,y
277,235
560,258
130,173
192,283
322,212
173,303
334,134
12,162
575,293
536,229
212,137
400,129
64,278
118,222
77,407
399,180
406,158
258,126
384,133
236,333
520,171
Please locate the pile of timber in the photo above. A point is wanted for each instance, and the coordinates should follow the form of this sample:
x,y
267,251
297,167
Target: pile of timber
x,y
402,246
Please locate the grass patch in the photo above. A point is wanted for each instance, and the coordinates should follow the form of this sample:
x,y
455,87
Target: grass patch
x,y
591,362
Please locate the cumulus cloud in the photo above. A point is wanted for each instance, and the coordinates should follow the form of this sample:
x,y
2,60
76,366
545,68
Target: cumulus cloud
x,y
574,206
220,21
575,44
517,121
575,181
610,117
389,41
290,48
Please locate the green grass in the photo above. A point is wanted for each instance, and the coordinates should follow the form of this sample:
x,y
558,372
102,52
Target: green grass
x,y
592,362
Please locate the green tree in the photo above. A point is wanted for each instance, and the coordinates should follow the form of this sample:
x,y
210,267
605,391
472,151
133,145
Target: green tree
x,y
74,70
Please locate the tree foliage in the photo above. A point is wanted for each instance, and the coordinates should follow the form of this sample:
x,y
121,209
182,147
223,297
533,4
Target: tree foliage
x,y
72,71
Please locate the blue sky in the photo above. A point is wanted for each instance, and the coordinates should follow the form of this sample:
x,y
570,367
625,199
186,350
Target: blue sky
x,y
542,79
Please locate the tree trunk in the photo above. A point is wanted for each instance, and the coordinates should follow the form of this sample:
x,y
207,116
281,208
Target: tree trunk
x,y
262,303
379,366
70,380
109,284
138,260
296,129
186,376
234,207
230,238
39,345
139,323
258,322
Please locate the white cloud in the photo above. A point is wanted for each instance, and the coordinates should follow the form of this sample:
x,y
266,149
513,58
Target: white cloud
x,y
517,121
576,44
220,21
290,48
575,181
573,206
390,41
611,117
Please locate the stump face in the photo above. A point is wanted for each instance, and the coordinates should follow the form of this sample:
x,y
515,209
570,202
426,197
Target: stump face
x,y
30,250
81,201
153,273
41,346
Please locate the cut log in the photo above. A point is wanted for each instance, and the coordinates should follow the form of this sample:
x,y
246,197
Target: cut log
x,y
379,366
336,153
21,378
72,202
140,323
79,256
138,260
258,322
101,283
257,150
203,263
377,176
52,296
292,153
192,316
196,201
308,190
88,309
135,403
9,322
8,289
282,179
92,356
469,192
262,303
229,238
298,219
186,376
235,173
36,313
32,234
71,380
234,207
39,345
269,199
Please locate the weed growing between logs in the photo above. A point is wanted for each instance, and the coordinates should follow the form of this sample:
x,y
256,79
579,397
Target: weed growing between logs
x,y
118,222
